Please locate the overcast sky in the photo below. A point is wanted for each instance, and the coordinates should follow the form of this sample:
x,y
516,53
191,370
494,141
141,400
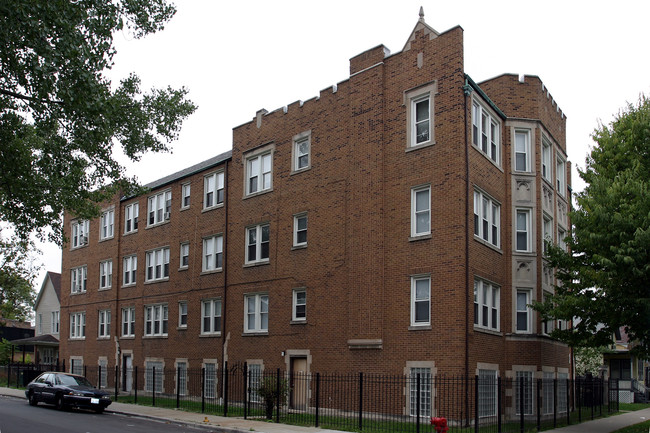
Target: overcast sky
x,y
237,57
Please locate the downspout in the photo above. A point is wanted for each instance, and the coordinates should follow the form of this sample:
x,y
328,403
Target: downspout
x,y
224,307
467,91
117,230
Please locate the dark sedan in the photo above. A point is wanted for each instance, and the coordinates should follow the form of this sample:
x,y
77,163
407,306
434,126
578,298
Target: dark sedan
x,y
65,391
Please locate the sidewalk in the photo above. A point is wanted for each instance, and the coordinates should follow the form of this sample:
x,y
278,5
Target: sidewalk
x,y
239,425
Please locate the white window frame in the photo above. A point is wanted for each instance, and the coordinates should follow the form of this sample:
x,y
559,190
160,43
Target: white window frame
x,y
129,270
548,326
212,253
525,151
300,230
104,324
154,384
55,322
156,317
159,208
39,324
213,190
420,214
561,237
181,380
102,363
259,167
79,279
487,218
487,393
561,176
260,256
210,378
128,322
562,391
418,298
211,316
105,274
487,305
528,392
523,310
411,100
300,155
107,225
299,305
256,313
182,314
547,154
254,378
157,259
184,250
80,230
186,197
78,326
523,233
486,132
547,232
426,400
131,214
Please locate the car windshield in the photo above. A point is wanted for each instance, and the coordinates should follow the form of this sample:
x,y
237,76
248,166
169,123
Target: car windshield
x,y
64,379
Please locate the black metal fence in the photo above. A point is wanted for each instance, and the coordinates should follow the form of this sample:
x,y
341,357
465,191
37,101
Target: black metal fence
x,y
363,402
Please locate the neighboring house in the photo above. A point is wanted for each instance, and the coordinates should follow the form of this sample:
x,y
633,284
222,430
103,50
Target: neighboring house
x,y
16,331
630,371
393,224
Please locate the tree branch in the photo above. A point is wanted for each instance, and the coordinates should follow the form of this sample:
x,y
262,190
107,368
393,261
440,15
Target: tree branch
x,y
28,98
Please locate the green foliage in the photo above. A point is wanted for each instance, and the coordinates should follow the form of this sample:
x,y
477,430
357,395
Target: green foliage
x,y
17,273
271,394
605,281
60,116
5,352
588,360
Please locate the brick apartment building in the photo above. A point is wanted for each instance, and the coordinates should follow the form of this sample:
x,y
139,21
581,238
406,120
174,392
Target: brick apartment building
x,y
394,223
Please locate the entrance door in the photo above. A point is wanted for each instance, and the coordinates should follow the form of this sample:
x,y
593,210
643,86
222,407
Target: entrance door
x,y
127,373
299,383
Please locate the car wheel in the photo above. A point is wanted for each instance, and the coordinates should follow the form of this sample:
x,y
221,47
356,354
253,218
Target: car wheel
x,y
32,399
59,402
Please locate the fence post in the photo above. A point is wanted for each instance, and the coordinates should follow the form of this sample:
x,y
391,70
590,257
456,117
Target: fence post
x,y
99,376
476,414
9,375
361,400
539,404
246,390
135,389
85,370
593,398
153,385
521,404
499,403
277,397
117,372
178,387
580,401
63,367
555,403
225,388
568,400
417,403
203,390
317,399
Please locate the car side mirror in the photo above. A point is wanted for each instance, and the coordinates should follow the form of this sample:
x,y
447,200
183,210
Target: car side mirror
x,y
48,383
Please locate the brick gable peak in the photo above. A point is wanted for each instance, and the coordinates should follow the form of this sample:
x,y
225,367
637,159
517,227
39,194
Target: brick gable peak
x,y
421,25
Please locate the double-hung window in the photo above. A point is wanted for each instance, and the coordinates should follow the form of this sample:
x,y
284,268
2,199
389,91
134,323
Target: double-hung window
x,y
420,211
182,314
185,255
299,305
213,190
256,314
131,213
105,274
420,301
211,317
106,226
160,206
300,230
78,278
548,232
486,305
301,151
130,268
522,150
487,218
185,195
128,322
486,132
78,325
55,322
522,228
212,253
257,243
158,264
561,176
259,173
546,160
419,105
561,238
104,325
79,233
155,320
524,322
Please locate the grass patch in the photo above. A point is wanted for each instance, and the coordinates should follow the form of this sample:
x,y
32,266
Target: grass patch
x,y
631,407
643,427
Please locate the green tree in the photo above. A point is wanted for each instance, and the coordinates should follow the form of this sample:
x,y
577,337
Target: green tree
x,y
605,279
61,116
17,272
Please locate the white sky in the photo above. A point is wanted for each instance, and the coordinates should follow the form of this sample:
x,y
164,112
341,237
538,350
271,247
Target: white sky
x,y
237,57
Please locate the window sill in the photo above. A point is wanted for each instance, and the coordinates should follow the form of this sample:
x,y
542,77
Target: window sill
x,y
182,328
127,337
213,335
161,280
77,339
103,289
255,334
77,293
420,328
254,264
298,322
153,337
184,208
212,271
132,232
158,224
208,209
420,146
126,286
300,170
79,247
108,238
420,237
256,193
108,338
487,331
183,268
298,247
488,244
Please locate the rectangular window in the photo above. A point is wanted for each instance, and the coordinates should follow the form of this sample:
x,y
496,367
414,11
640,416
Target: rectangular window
x,y
105,274
254,381
128,322
212,253
420,301
211,316
104,327
103,378
548,394
487,393
561,176
256,317
561,238
154,376
546,160
525,379
422,120
486,305
181,380
420,211
522,151
78,325
158,264
487,218
548,325
106,228
185,195
55,322
185,255
522,240
160,206
300,230
131,213
79,233
523,311
155,320
182,314
299,305
39,324
78,279
130,268
210,379
301,150
562,392
486,135
548,232
425,378
257,243
213,190
258,173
